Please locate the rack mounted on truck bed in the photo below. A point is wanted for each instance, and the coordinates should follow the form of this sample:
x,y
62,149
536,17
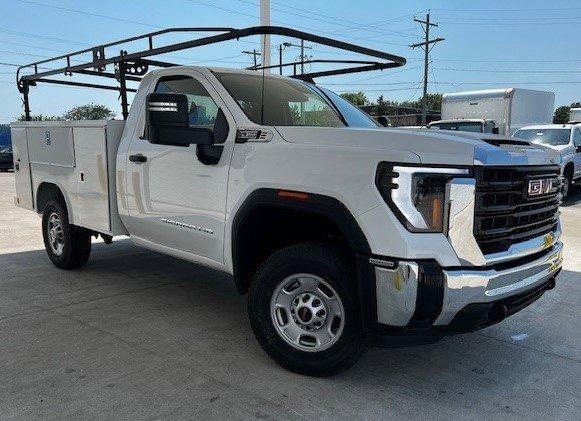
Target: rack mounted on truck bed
x,y
133,66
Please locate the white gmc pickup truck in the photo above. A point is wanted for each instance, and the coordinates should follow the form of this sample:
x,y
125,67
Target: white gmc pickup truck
x,y
341,233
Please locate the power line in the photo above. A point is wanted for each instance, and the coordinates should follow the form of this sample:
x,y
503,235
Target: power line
x,y
18,53
504,20
390,73
83,12
43,37
508,70
329,19
510,10
538,61
564,82
340,19
33,46
255,54
509,25
284,23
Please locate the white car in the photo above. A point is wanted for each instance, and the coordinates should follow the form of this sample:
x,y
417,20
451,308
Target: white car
x,y
564,138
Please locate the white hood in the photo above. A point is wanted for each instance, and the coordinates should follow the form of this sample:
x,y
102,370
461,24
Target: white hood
x,y
432,146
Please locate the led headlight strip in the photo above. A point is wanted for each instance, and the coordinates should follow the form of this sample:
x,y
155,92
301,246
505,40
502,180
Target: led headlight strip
x,y
417,194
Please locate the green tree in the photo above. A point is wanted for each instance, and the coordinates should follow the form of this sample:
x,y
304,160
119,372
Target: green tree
x,y
83,112
89,112
434,102
561,114
40,117
356,98
382,106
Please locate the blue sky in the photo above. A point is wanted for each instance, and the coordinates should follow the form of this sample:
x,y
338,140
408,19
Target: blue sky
x,y
489,44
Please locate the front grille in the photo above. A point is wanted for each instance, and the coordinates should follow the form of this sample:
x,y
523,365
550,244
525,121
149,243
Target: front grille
x,y
505,214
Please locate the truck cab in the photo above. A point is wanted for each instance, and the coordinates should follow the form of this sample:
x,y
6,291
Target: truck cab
x,y
563,138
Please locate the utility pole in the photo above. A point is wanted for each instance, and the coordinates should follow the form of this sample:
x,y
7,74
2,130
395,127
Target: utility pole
x,y
265,39
254,55
426,46
303,55
302,46
281,48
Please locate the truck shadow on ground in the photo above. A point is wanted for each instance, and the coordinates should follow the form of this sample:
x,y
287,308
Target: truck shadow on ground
x,y
183,313
574,196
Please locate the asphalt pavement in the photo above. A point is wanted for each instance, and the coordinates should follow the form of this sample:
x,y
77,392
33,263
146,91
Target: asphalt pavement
x,y
136,334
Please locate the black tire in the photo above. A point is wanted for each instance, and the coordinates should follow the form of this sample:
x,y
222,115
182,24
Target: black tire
x,y
76,240
568,184
327,263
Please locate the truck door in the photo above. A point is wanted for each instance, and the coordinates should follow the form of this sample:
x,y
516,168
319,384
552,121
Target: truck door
x,y
174,200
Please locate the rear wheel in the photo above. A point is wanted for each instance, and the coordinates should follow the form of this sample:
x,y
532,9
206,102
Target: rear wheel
x,y
304,311
67,246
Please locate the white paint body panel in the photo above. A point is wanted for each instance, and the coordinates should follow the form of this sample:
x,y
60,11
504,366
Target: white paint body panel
x,y
79,158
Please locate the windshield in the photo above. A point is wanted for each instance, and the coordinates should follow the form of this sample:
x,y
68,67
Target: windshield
x,y
352,115
277,101
460,126
553,137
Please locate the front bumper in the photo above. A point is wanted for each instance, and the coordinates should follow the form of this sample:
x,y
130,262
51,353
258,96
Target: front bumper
x,y
425,301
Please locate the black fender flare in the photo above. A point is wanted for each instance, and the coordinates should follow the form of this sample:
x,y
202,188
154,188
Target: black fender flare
x,y
312,203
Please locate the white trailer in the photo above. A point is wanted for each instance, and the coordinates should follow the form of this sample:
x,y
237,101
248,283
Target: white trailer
x,y
509,109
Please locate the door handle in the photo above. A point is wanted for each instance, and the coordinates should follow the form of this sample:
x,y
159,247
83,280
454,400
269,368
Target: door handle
x,y
139,159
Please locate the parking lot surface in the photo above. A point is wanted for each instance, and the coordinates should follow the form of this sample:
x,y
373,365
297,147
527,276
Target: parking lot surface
x,y
136,334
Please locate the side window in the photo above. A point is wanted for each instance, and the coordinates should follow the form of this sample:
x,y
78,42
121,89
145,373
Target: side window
x,y
203,109
577,137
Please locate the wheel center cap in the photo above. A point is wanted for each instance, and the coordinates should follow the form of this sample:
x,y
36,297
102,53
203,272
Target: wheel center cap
x,y
305,314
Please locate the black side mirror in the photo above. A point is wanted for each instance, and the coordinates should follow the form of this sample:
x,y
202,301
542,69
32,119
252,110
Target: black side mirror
x,y
495,130
383,120
167,122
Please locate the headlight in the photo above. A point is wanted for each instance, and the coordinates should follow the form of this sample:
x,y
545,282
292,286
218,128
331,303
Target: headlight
x,y
417,195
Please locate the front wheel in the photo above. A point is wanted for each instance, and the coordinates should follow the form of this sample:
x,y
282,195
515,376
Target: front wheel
x,y
67,246
304,311
566,186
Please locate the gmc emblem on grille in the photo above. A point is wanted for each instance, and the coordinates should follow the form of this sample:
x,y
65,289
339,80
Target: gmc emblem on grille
x,y
542,186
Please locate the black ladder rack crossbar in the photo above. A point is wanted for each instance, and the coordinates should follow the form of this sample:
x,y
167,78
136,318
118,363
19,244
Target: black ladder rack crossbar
x,y
131,66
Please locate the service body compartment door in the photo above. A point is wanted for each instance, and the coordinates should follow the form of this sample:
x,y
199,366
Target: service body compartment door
x,y
23,197
92,190
51,145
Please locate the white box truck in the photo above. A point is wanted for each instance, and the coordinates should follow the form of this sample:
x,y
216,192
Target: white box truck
x,y
499,111
341,233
